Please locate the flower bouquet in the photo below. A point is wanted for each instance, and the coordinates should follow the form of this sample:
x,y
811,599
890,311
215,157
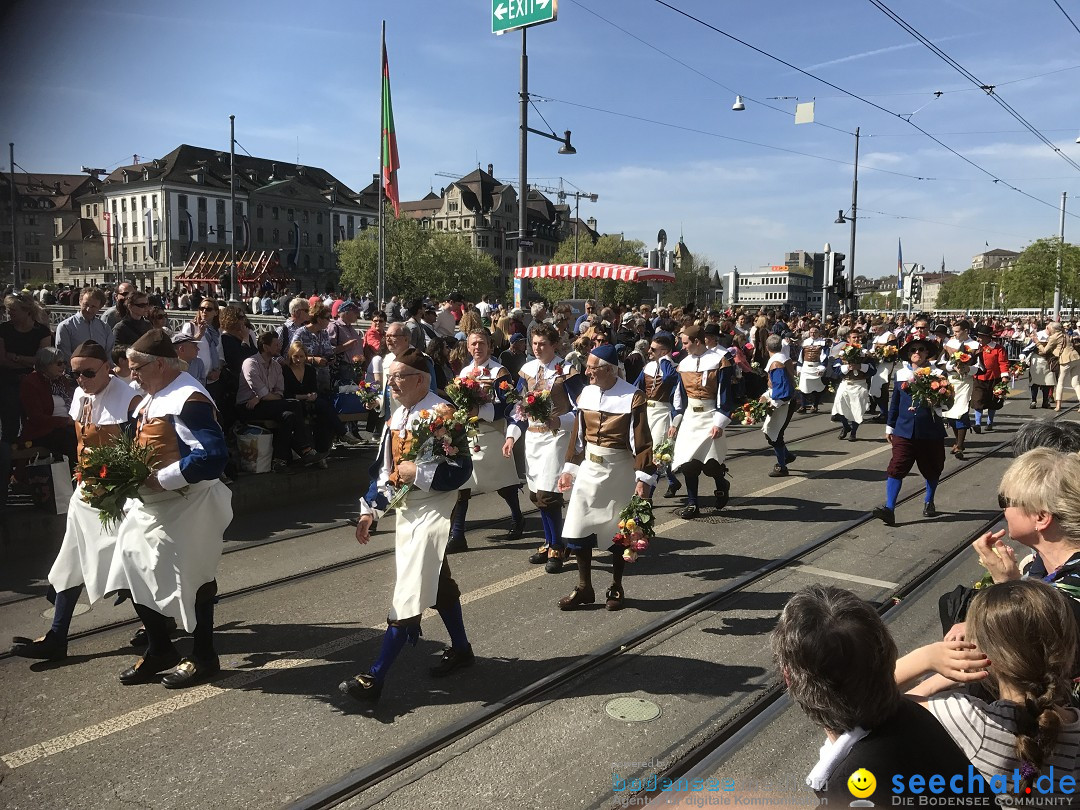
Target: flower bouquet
x,y
534,406
1002,389
438,434
928,388
110,474
662,454
635,528
1018,369
852,355
887,353
363,396
468,393
961,361
751,412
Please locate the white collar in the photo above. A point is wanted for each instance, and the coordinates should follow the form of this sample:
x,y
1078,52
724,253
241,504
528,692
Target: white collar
x,y
831,753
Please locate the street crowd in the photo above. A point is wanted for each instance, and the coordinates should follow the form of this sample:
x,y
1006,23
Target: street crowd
x,y
589,411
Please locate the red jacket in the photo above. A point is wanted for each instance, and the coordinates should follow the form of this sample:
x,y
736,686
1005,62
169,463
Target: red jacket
x,y
37,408
994,362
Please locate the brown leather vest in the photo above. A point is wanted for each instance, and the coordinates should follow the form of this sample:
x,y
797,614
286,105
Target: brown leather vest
x,y
399,446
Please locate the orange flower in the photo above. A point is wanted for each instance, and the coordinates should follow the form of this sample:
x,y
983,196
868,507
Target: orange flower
x,y
425,414
934,386
103,472
78,476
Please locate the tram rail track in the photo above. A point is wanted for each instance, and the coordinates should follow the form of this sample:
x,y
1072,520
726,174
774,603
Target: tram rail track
x,y
372,774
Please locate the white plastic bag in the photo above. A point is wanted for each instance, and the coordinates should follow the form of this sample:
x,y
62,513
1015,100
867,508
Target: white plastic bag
x,y
256,448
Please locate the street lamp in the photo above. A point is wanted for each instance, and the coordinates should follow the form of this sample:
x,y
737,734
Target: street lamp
x,y
982,299
841,219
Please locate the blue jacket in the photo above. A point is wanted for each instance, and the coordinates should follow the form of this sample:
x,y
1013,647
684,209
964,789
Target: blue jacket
x,y
670,389
917,424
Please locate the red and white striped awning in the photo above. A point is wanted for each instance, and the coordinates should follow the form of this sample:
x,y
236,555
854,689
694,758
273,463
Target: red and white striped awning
x,y
615,272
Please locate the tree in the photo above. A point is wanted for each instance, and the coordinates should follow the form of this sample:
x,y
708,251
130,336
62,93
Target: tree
x,y
419,262
611,249
1031,280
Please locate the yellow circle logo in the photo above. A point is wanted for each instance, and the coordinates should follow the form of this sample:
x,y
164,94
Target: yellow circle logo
x,y
861,783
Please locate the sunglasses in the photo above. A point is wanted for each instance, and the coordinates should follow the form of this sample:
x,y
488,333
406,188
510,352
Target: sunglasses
x,y
136,369
88,373
208,309
1003,502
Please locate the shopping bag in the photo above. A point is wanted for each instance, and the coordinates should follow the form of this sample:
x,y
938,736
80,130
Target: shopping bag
x,y
256,449
50,484
346,400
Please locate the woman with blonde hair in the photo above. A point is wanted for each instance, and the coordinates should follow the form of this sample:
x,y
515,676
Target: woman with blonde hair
x,y
1022,642
1061,347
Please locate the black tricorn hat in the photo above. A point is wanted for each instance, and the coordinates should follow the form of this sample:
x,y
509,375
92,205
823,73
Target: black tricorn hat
x,y
929,348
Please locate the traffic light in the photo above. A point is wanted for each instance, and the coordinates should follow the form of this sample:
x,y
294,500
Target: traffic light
x,y
839,283
916,289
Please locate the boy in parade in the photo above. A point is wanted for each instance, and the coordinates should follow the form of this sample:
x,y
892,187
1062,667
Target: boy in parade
x,y
993,366
665,396
852,394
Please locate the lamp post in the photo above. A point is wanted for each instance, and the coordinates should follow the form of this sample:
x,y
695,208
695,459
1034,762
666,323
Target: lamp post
x,y
849,285
825,280
982,299
232,210
577,195
523,157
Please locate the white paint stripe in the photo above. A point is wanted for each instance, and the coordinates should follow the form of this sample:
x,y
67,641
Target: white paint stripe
x,y
837,466
821,572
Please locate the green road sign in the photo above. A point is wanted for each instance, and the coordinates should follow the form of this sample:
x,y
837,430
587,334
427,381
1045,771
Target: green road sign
x,y
509,15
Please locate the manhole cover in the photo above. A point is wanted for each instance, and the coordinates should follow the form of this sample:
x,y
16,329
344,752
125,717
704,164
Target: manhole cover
x,y
714,519
632,710
80,609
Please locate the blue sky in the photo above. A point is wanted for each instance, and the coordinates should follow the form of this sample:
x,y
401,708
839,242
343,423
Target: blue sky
x,y
91,83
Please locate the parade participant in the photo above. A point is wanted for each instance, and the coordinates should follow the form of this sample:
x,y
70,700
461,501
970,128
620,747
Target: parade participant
x,y
664,394
101,406
920,329
961,380
852,394
993,364
779,370
421,530
915,433
1041,374
169,542
491,468
810,354
700,444
610,461
883,369
546,445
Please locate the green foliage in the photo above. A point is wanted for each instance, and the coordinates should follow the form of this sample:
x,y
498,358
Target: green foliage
x,y
1029,283
419,262
610,248
966,291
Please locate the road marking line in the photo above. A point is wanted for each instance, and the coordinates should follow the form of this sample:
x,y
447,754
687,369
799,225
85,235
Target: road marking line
x,y
821,572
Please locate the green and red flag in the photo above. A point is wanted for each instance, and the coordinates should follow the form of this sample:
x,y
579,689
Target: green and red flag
x,y
389,139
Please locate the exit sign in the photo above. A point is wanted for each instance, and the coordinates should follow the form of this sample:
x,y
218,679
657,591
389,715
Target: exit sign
x,y
509,15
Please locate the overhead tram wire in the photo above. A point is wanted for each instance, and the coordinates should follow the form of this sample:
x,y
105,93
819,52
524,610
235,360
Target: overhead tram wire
x,y
693,69
967,74
670,125
997,180
1067,17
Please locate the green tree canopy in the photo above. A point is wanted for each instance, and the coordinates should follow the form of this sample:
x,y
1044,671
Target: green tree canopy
x,y
610,248
419,262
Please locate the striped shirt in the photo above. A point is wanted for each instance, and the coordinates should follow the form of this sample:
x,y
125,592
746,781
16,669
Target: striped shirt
x,y
986,733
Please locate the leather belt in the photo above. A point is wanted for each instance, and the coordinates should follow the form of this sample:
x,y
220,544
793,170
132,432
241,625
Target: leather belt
x,y
595,459
657,403
699,408
538,429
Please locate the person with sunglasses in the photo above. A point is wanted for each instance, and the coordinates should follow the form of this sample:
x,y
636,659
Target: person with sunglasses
x,y
102,404
204,330
132,324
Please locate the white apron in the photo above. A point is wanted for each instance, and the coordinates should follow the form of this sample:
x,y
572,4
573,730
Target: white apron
x,y
86,555
659,416
491,469
168,546
603,486
961,396
775,421
852,400
810,378
420,536
1039,372
544,456
692,441
881,377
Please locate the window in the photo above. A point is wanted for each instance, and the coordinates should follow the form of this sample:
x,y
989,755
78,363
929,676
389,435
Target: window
x,y
274,212
123,230
277,236
220,209
258,234
468,224
322,262
304,217
318,239
202,230
56,251
134,254
58,225
123,204
181,200
306,239
153,202
142,201
498,243
238,235
134,229
508,208
183,227
259,211
291,215
452,205
481,241
202,203
292,236
133,204
349,230
453,224
439,225
238,209
95,209
318,218
337,222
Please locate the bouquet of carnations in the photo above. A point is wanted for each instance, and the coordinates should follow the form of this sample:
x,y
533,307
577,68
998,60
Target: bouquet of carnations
x,y
635,528
751,412
533,406
368,394
110,474
887,353
438,434
961,361
1018,369
662,455
468,393
928,388
852,355
1002,389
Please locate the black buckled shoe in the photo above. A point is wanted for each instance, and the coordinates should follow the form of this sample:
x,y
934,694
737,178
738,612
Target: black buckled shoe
x,y
578,597
721,498
149,668
615,598
844,431
778,472
47,648
453,659
977,428
540,556
885,515
853,437
555,558
689,512
929,510
516,531
362,687
191,671
457,544
673,490
140,640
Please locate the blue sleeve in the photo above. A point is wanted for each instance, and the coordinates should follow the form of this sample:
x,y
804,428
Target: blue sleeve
x,y
207,462
894,406
724,399
452,474
639,383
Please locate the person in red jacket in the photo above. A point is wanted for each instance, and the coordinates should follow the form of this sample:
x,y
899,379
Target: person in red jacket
x,y
993,366
45,395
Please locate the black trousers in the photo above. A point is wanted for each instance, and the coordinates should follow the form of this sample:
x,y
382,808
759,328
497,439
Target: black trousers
x,y
293,433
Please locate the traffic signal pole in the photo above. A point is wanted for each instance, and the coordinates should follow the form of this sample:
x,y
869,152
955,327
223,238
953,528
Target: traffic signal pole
x,y
853,305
